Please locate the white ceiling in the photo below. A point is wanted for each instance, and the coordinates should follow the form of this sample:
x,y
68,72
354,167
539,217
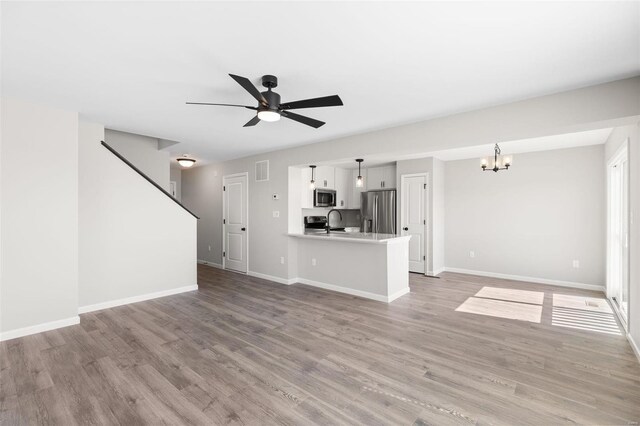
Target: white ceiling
x,y
132,66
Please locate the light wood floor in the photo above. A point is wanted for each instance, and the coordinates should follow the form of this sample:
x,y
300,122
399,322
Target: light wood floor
x,y
247,351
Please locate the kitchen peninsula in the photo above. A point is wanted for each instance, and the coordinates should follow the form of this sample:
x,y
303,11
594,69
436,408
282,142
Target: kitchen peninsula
x,y
370,265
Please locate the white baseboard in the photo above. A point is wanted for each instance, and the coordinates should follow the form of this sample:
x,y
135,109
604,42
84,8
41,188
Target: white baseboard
x,y
352,292
528,279
34,329
438,271
634,346
206,262
134,299
398,294
278,280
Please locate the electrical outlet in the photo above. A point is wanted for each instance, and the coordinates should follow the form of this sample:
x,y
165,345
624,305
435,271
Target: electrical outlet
x,y
313,262
576,264
282,260
472,254
276,213
209,248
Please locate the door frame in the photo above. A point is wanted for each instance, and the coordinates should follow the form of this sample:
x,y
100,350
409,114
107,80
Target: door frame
x,y
621,152
427,230
224,225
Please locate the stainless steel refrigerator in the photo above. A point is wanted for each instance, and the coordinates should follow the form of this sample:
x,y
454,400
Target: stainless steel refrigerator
x,y
378,211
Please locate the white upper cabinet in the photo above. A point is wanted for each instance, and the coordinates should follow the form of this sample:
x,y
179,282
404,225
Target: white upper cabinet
x,y
306,191
381,178
342,188
375,176
325,177
389,177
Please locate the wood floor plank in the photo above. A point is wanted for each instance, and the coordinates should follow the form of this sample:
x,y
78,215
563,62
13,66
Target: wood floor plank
x,y
245,351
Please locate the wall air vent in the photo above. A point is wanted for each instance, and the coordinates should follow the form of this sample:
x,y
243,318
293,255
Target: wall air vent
x,y
262,170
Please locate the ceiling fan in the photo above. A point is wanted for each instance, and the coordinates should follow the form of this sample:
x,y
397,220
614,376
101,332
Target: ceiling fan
x,y
269,107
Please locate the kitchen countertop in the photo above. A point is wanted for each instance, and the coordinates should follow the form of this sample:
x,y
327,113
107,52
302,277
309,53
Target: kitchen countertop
x,y
352,237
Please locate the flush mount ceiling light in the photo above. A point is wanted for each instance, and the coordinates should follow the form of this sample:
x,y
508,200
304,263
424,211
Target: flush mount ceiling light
x,y
312,183
498,163
359,180
185,161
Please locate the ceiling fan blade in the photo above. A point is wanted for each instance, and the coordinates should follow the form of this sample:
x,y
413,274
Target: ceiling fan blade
x,y
249,87
302,119
255,120
231,105
325,101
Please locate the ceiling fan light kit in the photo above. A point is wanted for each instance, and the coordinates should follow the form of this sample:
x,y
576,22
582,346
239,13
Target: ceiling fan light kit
x,y
498,161
268,115
270,108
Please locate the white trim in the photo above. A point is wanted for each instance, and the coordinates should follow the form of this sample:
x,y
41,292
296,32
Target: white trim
x,y
212,264
39,328
359,293
634,346
438,271
621,153
234,175
616,310
527,279
278,280
135,299
398,294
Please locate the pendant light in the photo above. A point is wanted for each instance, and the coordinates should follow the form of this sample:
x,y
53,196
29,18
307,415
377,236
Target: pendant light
x,y
312,184
359,180
498,161
185,161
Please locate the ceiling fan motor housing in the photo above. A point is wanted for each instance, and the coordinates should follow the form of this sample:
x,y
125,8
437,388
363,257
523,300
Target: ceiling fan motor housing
x,y
272,98
270,81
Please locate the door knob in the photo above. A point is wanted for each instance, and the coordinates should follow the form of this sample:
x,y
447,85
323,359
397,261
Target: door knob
x,y
243,229
405,228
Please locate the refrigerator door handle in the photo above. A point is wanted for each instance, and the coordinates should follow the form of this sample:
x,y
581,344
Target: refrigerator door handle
x,y
375,209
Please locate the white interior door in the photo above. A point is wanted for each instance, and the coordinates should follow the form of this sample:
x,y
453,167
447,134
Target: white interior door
x,y
413,219
235,222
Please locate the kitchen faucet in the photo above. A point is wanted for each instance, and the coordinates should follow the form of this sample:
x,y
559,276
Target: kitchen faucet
x,y
328,218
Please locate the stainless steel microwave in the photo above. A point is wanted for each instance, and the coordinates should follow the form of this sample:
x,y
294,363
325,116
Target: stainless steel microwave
x,y
324,198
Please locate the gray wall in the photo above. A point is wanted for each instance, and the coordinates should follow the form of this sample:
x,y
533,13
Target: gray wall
x,y
39,216
532,220
143,152
582,109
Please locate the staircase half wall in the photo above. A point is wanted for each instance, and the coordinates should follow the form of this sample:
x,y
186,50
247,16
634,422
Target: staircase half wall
x,y
135,241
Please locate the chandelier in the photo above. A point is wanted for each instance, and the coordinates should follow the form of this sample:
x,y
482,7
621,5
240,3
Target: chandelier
x,y
497,163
